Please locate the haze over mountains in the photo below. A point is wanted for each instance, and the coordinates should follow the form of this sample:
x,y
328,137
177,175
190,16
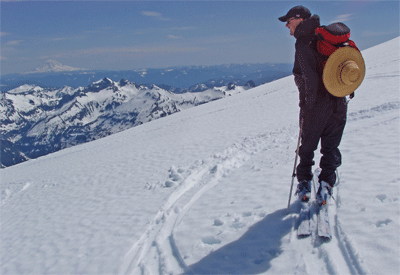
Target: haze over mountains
x,y
177,79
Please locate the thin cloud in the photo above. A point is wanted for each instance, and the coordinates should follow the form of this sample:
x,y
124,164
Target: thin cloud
x,y
151,13
183,28
155,15
4,34
55,39
92,31
343,17
99,30
14,42
58,39
174,36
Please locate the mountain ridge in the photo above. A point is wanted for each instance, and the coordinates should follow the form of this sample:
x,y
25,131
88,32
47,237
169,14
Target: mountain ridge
x,y
38,121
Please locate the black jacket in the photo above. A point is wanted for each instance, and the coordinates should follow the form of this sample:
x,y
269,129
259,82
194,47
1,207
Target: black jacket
x,y
308,68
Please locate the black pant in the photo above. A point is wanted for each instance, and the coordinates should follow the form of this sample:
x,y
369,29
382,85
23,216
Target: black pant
x,y
324,122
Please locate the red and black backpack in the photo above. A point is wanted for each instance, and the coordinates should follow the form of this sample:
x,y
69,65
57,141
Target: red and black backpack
x,y
332,37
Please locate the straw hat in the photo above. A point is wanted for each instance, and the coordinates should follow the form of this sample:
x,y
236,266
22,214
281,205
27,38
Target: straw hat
x,y
344,71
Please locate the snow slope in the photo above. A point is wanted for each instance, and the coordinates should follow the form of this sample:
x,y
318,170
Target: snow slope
x,y
205,191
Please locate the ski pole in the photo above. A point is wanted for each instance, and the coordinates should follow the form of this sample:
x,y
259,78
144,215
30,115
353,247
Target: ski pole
x,y
295,162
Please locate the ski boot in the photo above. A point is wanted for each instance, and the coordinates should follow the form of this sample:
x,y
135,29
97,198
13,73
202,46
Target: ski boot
x,y
324,193
304,190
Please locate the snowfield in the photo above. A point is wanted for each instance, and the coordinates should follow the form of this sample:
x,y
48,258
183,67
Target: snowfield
x,y
204,191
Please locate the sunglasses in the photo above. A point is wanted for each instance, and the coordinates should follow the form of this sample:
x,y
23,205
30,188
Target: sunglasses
x,y
291,19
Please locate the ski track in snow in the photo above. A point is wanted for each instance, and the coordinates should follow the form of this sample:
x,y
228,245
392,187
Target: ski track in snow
x,y
12,190
339,254
156,251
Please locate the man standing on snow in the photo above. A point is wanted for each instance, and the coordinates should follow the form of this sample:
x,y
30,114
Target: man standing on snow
x,y
322,115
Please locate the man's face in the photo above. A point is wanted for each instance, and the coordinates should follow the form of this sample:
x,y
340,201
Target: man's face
x,y
292,24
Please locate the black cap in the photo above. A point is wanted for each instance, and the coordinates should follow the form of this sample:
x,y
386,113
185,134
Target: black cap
x,y
296,12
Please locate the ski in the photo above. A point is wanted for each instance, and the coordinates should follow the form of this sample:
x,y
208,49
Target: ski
x,y
308,210
324,227
304,229
305,218
323,224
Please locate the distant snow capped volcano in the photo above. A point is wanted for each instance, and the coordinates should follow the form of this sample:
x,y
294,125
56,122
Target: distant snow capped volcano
x,y
53,66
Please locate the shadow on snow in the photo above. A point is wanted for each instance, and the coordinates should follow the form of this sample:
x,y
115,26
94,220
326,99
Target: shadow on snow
x,y
253,252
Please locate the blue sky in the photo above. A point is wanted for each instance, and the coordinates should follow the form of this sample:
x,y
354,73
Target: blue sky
x,y
124,35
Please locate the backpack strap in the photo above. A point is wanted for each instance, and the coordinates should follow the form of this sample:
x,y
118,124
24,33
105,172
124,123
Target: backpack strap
x,y
353,45
324,47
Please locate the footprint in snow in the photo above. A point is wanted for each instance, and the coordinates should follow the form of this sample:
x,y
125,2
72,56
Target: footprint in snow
x,y
384,198
169,183
210,240
247,214
175,176
383,223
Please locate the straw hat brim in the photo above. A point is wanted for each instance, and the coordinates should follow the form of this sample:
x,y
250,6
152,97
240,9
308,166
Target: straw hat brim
x,y
344,71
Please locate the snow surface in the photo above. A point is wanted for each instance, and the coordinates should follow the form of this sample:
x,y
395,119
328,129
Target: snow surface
x,y
205,191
